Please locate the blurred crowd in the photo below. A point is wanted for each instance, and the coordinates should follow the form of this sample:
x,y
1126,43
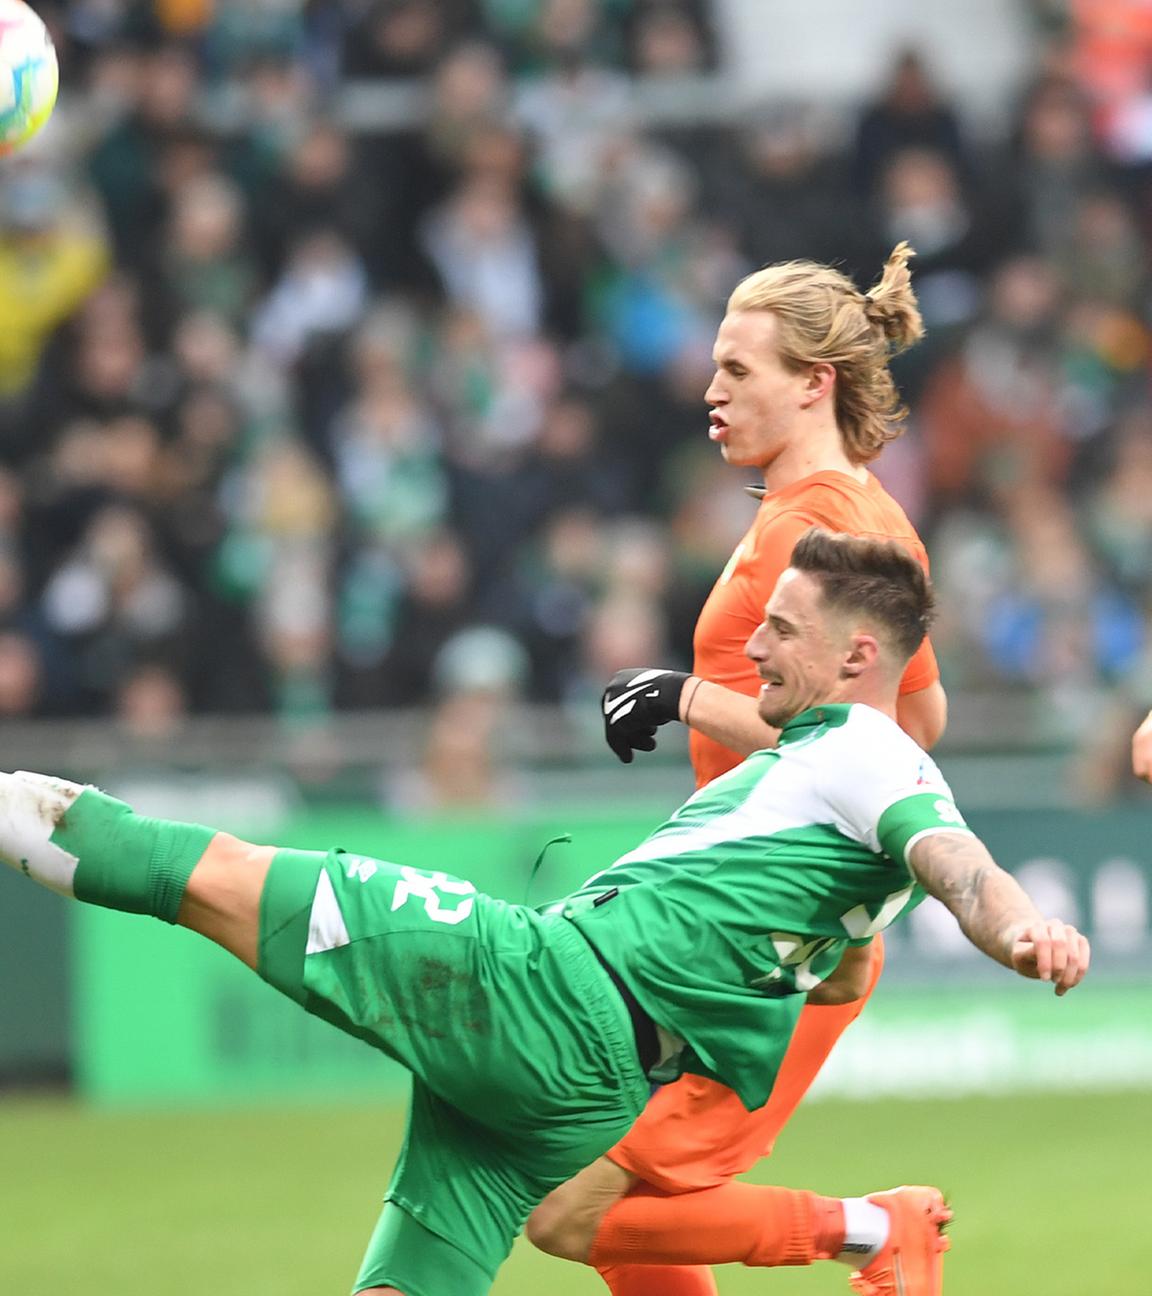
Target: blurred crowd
x,y
298,415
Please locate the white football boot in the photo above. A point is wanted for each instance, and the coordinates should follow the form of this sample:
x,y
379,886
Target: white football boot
x,y
31,808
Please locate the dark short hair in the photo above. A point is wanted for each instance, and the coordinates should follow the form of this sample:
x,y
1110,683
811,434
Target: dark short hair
x,y
877,577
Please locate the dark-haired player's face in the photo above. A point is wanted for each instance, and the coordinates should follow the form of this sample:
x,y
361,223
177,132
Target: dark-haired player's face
x,y
755,400
799,649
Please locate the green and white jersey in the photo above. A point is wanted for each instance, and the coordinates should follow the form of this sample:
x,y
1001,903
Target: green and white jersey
x,y
745,899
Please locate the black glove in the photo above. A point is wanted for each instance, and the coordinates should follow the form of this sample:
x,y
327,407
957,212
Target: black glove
x,y
636,701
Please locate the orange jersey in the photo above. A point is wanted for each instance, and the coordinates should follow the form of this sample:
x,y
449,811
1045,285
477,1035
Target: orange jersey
x,y
735,606
696,1133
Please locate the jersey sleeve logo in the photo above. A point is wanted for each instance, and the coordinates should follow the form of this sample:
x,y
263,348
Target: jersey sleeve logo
x,y
947,812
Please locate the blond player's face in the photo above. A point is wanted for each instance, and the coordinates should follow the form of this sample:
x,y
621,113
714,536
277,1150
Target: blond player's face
x,y
799,650
755,400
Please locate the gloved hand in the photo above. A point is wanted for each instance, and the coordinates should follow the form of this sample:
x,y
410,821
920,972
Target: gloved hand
x,y
636,702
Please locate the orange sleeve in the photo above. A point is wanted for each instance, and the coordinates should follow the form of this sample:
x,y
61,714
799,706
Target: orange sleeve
x,y
732,612
922,670
736,605
772,553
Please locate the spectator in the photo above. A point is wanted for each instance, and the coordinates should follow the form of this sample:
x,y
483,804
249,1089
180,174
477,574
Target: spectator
x,y
125,166
50,260
487,257
389,656
1055,164
322,185
20,676
205,264
1119,510
921,199
404,38
911,113
322,294
479,674
992,415
1103,257
114,600
791,196
151,705
1059,625
670,38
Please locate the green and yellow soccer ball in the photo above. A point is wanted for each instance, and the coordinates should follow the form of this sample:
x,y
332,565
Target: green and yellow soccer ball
x,y
28,75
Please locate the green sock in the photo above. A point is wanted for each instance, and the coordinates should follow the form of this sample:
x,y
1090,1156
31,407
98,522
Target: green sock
x,y
127,861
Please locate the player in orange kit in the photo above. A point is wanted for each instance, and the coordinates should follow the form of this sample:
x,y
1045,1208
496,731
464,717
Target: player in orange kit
x,y
802,392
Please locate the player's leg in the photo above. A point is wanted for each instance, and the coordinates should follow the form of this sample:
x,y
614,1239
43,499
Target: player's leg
x,y
459,1195
893,1239
567,1220
571,1220
82,843
222,898
668,1280
694,1135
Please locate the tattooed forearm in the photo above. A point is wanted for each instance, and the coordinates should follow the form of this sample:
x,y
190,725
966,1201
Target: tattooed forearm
x,y
990,906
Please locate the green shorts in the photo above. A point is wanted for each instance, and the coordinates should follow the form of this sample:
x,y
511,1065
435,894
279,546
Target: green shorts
x,y
522,1051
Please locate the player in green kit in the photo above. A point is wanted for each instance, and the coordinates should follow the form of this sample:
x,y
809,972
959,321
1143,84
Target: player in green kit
x,y
532,1034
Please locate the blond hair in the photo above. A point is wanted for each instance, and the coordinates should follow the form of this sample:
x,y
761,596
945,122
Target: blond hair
x,y
823,318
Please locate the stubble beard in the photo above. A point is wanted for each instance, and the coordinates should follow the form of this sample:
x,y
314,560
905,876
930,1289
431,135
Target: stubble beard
x,y
775,714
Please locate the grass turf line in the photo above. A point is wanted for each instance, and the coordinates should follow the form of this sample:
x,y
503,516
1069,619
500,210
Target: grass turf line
x,y
280,1203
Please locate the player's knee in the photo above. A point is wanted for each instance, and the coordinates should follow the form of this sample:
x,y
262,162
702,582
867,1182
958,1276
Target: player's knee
x,y
553,1230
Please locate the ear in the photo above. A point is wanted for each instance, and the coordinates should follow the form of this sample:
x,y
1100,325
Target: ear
x,y
820,380
861,656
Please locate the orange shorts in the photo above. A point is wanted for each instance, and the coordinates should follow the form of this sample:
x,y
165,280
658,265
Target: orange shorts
x,y
697,1133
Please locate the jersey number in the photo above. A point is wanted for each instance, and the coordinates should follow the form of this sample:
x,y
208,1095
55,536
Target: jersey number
x,y
796,955
431,888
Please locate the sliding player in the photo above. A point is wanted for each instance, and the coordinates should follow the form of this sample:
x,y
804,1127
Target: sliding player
x,y
531,1034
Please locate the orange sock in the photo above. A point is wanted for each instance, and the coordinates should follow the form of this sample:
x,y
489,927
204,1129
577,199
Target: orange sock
x,y
735,1223
659,1280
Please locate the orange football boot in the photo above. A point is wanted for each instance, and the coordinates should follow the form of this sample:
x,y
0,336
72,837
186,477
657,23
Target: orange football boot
x,y
911,1262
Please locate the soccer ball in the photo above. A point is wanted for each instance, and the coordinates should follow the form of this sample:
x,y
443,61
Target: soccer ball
x,y
28,75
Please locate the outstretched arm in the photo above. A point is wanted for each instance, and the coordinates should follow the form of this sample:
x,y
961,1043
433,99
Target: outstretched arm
x,y
994,911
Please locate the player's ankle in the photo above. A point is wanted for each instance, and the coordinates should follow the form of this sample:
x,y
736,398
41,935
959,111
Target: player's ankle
x,y
129,861
866,1229
80,842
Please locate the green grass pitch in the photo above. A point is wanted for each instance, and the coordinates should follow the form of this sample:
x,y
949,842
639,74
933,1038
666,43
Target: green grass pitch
x,y
1050,1193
